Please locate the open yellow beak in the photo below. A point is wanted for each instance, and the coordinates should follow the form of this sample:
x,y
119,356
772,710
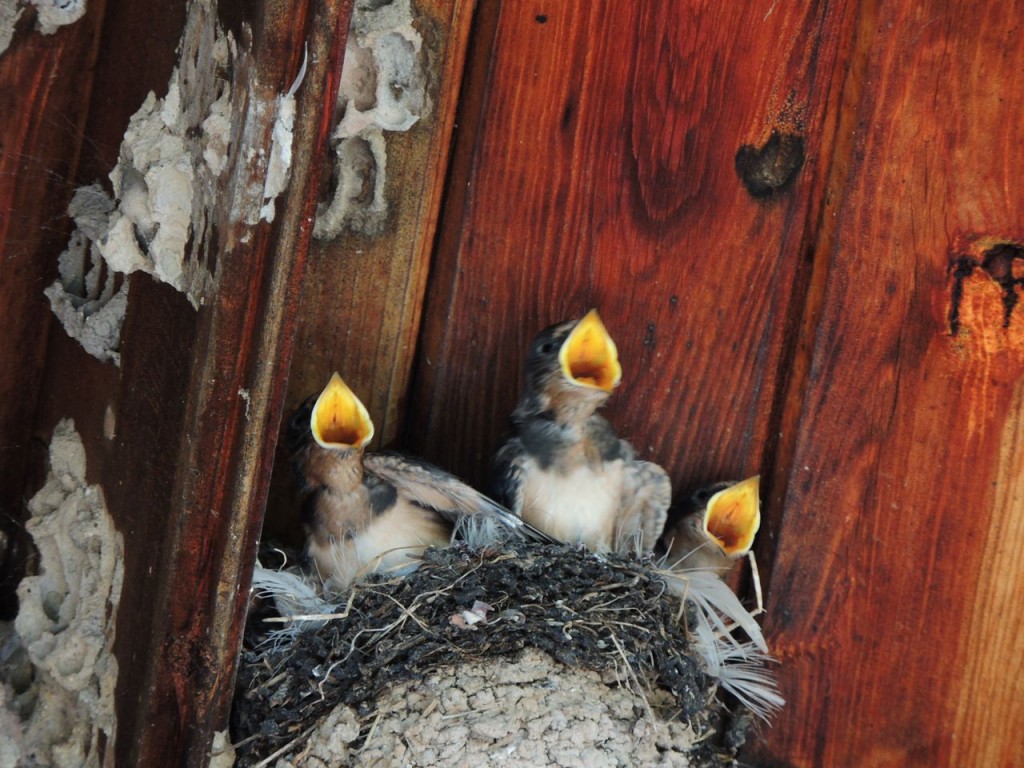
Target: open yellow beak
x,y
339,418
734,515
589,357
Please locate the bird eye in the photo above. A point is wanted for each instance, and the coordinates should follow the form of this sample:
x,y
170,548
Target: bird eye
x,y
547,347
702,496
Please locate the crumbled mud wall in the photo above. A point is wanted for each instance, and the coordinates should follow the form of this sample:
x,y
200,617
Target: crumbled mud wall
x,y
179,153
10,12
164,190
383,90
56,662
50,16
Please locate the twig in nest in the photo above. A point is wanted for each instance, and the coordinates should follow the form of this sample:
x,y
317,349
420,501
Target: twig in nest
x,y
315,616
270,758
755,576
631,676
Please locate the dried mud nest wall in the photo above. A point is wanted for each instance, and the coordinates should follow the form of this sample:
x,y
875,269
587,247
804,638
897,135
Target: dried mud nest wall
x,y
528,655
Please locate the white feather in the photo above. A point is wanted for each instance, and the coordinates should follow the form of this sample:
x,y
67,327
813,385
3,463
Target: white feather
x,y
744,674
294,594
479,531
739,666
714,601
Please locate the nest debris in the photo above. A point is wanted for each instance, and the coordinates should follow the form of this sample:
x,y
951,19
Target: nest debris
x,y
586,611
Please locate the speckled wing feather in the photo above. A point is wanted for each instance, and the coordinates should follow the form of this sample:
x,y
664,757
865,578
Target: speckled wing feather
x,y
507,475
647,494
432,487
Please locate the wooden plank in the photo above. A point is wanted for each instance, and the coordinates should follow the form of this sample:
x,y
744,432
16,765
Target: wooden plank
x,y
65,138
363,295
237,385
45,83
186,468
895,603
598,167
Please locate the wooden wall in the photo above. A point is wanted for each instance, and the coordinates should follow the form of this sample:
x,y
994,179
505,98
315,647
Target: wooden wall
x,y
185,462
896,600
802,223
846,325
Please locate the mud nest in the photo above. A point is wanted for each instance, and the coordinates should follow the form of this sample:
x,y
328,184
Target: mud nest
x,y
587,612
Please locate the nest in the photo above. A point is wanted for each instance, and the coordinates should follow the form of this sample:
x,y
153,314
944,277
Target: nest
x,y
604,613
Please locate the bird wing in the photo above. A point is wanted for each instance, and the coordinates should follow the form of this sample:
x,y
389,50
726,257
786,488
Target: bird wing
x,y
432,487
507,475
647,494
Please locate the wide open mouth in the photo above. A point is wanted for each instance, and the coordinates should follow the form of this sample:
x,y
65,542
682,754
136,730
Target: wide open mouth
x,y
734,515
589,357
339,419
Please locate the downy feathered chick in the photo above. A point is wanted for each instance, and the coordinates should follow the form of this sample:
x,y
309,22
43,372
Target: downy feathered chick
x,y
564,470
365,512
716,530
717,527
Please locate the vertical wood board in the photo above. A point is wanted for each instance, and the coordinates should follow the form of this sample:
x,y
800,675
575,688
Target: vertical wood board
x,y
895,603
181,437
601,172
363,295
40,142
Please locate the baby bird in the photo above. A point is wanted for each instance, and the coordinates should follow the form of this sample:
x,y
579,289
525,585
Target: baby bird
x,y
564,470
717,529
365,512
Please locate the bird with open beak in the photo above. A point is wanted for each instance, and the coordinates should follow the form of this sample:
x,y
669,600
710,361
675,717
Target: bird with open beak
x,y
717,527
564,470
366,512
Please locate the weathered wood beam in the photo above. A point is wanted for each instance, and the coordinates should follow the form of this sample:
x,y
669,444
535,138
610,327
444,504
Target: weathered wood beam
x,y
45,87
237,383
363,293
895,602
622,156
181,436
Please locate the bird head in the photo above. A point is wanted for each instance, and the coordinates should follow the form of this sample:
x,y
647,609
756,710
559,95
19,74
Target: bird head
x,y
718,528
573,361
733,515
338,419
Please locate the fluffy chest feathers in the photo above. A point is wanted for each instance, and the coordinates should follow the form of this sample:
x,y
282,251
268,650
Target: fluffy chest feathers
x,y
577,504
404,530
357,541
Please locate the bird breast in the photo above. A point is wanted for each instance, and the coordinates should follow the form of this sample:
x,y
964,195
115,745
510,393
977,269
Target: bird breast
x,y
390,542
578,505
403,530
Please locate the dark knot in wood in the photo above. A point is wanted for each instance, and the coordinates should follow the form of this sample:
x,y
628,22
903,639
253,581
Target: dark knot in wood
x,y
772,167
1003,263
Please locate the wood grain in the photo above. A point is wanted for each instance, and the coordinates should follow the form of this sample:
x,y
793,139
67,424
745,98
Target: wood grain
x,y
185,473
895,604
363,296
41,134
849,324
601,171
236,387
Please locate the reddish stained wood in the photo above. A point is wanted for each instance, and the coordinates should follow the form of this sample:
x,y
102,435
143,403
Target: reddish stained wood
x,y
603,162
186,473
224,457
40,141
64,148
125,74
600,172
895,602
362,296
